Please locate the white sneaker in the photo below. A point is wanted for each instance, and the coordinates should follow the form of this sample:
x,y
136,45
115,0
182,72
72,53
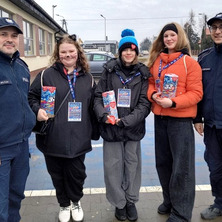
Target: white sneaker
x,y
77,212
64,214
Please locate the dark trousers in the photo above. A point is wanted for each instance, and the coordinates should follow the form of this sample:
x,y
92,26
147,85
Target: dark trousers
x,y
175,154
68,176
14,170
213,157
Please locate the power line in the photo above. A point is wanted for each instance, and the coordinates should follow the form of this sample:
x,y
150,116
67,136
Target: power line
x,y
127,19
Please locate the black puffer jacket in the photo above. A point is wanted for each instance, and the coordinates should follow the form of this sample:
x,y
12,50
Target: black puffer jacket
x,y
65,139
132,118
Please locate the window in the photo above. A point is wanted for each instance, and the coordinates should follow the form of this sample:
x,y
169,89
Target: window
x,y
4,14
49,43
28,38
99,57
100,48
41,42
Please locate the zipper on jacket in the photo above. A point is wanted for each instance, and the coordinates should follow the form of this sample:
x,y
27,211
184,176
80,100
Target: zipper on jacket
x,y
22,100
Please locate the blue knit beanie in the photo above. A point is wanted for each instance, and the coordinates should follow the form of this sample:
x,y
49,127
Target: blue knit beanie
x,y
128,41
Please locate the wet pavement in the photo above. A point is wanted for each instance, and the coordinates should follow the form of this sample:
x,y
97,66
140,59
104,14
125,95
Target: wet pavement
x,y
40,180
40,203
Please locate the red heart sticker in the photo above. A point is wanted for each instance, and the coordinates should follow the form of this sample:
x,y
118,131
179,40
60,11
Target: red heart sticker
x,y
133,46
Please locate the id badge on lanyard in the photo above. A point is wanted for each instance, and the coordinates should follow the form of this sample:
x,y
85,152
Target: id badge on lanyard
x,y
124,98
124,95
74,108
74,112
158,85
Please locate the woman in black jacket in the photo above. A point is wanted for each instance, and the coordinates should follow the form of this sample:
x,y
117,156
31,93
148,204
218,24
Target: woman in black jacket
x,y
122,152
69,137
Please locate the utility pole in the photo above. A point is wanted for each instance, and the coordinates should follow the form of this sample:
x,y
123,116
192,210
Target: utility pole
x,y
64,24
53,7
104,28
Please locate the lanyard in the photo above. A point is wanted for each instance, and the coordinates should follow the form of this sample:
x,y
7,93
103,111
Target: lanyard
x,y
124,82
167,65
72,85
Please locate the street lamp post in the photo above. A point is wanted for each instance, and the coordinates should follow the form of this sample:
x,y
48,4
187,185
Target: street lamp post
x,y
53,7
105,28
64,25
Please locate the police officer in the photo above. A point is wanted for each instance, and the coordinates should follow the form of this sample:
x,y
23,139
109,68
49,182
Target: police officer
x,y
210,113
16,122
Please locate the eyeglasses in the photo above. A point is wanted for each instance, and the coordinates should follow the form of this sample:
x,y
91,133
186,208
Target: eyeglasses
x,y
214,28
59,38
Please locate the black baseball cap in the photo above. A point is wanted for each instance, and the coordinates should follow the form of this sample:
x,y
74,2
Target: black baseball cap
x,y
216,17
8,22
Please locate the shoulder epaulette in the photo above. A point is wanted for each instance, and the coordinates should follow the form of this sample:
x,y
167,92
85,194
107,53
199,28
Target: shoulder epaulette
x,y
204,53
23,64
22,61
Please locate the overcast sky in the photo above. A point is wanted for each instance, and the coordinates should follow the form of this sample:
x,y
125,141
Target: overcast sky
x,y
145,17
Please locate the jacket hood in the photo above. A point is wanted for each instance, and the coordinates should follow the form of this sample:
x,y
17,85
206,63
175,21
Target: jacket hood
x,y
116,64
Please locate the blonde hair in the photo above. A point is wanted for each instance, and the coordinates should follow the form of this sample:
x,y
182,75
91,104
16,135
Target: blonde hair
x,y
158,44
81,61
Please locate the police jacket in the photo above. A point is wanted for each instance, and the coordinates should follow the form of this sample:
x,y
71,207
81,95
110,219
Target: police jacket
x,y
132,127
65,139
210,108
17,118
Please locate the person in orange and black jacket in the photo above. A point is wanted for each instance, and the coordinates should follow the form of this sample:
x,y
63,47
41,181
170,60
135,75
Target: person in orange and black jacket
x,y
175,88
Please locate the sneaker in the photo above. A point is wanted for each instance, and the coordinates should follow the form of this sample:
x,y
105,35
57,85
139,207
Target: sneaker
x,y
163,209
77,212
120,214
131,211
64,214
211,213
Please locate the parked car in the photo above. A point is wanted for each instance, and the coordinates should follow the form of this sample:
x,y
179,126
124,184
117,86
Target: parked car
x,y
96,61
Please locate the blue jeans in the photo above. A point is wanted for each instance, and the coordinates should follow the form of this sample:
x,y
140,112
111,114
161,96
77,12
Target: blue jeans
x,y
175,151
213,157
14,170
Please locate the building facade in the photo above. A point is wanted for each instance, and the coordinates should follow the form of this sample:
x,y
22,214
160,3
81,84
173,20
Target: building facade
x,y
94,45
37,42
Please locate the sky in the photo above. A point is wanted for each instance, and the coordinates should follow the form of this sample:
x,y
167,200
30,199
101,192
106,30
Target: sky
x,y
145,17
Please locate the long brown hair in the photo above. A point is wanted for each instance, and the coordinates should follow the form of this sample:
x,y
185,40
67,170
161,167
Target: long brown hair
x,y
81,61
158,45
